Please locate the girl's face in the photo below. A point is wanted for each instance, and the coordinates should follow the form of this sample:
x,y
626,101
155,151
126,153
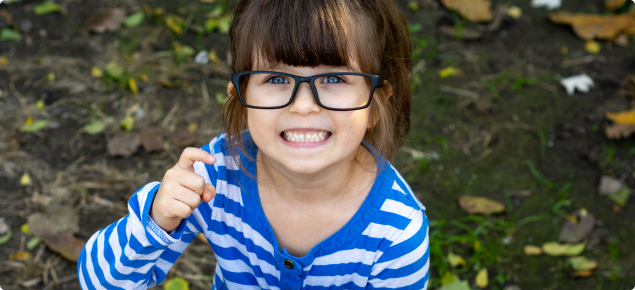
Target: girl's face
x,y
282,135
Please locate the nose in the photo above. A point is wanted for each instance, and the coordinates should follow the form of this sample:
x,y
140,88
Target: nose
x,y
304,101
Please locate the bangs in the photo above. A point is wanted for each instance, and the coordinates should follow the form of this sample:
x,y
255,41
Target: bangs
x,y
306,33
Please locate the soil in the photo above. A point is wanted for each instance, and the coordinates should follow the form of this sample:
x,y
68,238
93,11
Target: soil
x,y
520,116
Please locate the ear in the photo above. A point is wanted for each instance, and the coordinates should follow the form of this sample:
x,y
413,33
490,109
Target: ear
x,y
230,89
387,88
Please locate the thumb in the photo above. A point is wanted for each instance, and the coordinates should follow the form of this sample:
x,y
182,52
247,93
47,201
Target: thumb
x,y
209,193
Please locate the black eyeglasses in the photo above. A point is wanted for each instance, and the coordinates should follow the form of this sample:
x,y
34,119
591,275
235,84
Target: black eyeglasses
x,y
338,91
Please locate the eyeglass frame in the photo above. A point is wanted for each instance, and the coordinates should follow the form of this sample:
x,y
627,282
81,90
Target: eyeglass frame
x,y
374,84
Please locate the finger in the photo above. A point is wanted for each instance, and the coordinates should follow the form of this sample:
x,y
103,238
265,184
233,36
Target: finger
x,y
180,210
209,193
188,197
191,155
190,180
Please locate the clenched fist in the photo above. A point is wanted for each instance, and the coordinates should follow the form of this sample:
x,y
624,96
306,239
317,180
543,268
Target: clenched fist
x,y
182,190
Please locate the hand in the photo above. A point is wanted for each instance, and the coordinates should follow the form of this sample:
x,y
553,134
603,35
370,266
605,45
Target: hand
x,y
182,190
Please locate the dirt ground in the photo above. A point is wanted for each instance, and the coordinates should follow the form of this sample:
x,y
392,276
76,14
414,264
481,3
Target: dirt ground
x,y
506,115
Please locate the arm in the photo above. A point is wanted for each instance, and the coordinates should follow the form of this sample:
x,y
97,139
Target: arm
x,y
135,252
405,264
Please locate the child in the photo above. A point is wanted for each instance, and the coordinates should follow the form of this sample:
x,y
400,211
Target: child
x,y
299,193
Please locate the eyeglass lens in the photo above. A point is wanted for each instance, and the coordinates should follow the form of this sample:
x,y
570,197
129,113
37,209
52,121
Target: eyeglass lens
x,y
334,91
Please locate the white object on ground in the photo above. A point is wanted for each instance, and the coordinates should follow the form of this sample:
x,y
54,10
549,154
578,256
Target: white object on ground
x,y
201,57
581,82
550,4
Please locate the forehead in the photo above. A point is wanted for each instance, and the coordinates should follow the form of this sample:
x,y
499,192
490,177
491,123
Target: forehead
x,y
263,64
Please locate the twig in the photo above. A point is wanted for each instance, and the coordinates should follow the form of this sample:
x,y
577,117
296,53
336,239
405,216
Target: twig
x,y
170,115
205,92
459,92
16,93
583,60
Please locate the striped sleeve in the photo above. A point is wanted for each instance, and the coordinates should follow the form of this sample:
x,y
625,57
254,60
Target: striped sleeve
x,y
405,264
134,252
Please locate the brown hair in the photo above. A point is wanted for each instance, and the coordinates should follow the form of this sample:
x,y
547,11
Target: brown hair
x,y
370,33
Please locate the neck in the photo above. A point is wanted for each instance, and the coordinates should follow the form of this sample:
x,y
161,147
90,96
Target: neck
x,y
331,185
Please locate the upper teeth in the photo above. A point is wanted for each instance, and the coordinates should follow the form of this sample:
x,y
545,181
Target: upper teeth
x,y
311,137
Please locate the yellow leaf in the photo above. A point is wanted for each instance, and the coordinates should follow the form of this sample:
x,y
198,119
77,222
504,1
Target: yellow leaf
x,y
25,179
614,4
624,117
132,84
472,10
557,249
574,249
177,283
480,205
482,279
585,273
582,263
25,229
29,120
4,60
531,250
20,256
450,71
127,123
456,260
144,77
175,23
192,127
96,72
40,104
213,57
592,46
514,12
477,245
50,76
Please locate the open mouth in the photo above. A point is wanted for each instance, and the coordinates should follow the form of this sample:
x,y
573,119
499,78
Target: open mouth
x,y
308,137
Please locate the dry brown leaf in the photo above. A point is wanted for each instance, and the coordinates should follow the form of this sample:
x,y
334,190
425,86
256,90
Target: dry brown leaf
x,y
619,131
575,232
183,138
58,218
124,144
472,10
464,33
480,205
589,26
614,4
531,250
65,244
109,19
150,141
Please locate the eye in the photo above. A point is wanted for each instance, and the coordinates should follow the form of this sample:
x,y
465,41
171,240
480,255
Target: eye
x,y
277,80
333,80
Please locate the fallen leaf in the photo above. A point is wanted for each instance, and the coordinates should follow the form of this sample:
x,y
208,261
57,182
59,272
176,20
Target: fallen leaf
x,y
462,33
586,273
33,242
624,117
592,47
413,5
531,250
5,237
20,256
132,85
175,23
581,82
176,283
57,218
621,40
480,205
127,123
134,20
50,76
514,12
150,141
183,138
609,185
557,249
614,4
581,263
421,155
124,144
96,72
450,71
201,57
114,70
456,260
47,7
192,127
575,232
25,229
549,4
621,196
64,243
35,126
95,127
472,10
619,131
4,60
25,180
8,34
39,105
452,282
107,20
144,77
482,279
589,26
